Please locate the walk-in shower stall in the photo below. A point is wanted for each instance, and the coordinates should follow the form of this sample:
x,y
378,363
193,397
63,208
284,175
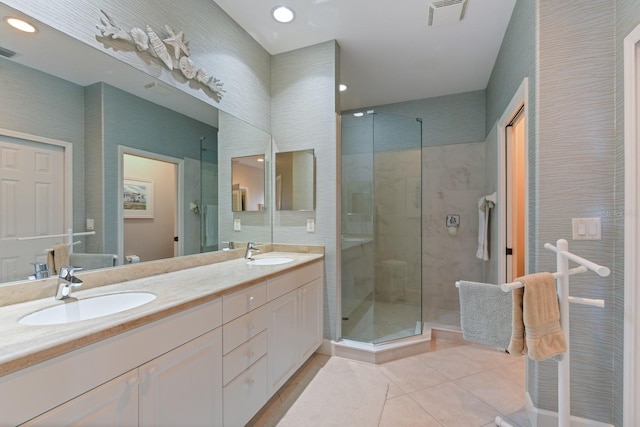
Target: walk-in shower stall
x,y
381,227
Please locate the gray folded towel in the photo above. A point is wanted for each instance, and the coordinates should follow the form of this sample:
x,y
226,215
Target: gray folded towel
x,y
92,261
485,313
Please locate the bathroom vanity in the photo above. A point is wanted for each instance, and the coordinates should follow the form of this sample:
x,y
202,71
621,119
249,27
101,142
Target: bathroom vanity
x,y
217,342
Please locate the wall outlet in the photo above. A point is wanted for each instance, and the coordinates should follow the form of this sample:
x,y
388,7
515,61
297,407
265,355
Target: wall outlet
x,y
237,224
90,224
311,225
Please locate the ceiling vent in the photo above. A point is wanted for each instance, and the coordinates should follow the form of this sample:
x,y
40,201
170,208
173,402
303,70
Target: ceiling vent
x,y
445,12
6,52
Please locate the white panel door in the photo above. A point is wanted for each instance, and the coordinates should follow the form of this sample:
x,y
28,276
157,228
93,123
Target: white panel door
x,y
32,202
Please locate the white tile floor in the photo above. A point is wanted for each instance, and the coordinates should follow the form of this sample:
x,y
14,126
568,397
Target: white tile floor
x,y
454,384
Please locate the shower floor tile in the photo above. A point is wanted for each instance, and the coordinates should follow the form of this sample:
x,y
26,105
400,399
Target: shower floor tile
x,y
421,390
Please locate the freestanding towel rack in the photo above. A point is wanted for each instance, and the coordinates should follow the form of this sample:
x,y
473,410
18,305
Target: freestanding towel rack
x,y
563,256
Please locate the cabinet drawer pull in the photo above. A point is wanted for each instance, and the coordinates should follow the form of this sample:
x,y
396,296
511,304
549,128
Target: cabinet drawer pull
x,y
251,300
250,353
250,381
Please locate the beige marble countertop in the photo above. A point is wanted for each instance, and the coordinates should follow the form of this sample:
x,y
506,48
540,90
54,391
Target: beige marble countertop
x,y
22,346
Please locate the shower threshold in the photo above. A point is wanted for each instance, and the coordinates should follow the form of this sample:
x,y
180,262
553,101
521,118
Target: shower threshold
x,y
386,351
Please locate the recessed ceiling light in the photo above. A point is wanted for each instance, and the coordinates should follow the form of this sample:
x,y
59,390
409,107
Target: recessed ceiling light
x,y
283,14
358,114
343,88
260,159
20,24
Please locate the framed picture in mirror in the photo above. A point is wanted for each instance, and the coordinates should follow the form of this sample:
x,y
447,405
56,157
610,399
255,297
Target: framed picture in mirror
x,y
137,198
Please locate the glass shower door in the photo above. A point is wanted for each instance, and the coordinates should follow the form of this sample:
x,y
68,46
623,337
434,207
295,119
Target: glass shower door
x,y
209,195
381,227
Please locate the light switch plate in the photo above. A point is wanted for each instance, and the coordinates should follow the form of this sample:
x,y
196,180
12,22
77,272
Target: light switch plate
x,y
90,224
587,229
311,225
237,225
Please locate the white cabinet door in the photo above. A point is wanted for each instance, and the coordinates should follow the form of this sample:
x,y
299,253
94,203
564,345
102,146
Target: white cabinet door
x,y
310,318
114,403
282,339
184,387
245,395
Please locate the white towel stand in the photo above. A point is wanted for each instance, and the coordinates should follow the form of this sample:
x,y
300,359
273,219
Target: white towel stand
x,y
563,256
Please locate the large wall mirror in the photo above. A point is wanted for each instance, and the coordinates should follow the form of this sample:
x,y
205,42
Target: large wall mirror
x,y
89,117
295,184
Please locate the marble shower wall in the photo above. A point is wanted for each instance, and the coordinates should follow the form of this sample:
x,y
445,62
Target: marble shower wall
x,y
357,195
452,183
397,226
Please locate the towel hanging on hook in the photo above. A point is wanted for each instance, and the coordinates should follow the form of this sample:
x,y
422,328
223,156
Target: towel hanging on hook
x,y
485,204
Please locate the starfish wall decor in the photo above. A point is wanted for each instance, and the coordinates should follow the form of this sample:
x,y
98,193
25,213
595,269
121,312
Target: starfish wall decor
x,y
149,41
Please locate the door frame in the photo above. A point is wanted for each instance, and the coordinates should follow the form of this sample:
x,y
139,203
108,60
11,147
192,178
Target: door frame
x,y
68,168
519,102
631,228
122,150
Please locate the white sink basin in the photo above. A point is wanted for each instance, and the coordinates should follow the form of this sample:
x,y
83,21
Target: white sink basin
x,y
88,308
270,261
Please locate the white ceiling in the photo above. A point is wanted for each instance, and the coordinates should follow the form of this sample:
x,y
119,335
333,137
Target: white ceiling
x,y
388,53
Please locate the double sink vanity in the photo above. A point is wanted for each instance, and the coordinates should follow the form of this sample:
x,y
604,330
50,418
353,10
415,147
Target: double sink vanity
x,y
207,342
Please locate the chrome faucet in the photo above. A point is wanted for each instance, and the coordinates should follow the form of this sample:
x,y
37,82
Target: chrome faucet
x,y
67,281
250,250
41,271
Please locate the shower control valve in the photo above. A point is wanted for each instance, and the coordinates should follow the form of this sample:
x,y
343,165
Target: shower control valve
x,y
453,221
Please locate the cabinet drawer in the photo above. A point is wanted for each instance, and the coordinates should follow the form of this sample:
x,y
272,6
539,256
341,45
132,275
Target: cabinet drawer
x,y
238,303
243,328
244,396
244,356
281,285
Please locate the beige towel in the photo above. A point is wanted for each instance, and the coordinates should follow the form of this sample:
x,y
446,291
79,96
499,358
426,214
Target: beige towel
x,y
58,257
536,318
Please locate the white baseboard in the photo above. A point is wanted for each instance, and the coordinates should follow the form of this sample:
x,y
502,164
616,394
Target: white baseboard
x,y
545,418
326,348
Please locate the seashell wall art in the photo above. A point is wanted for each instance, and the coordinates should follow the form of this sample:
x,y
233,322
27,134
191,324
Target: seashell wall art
x,y
162,48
